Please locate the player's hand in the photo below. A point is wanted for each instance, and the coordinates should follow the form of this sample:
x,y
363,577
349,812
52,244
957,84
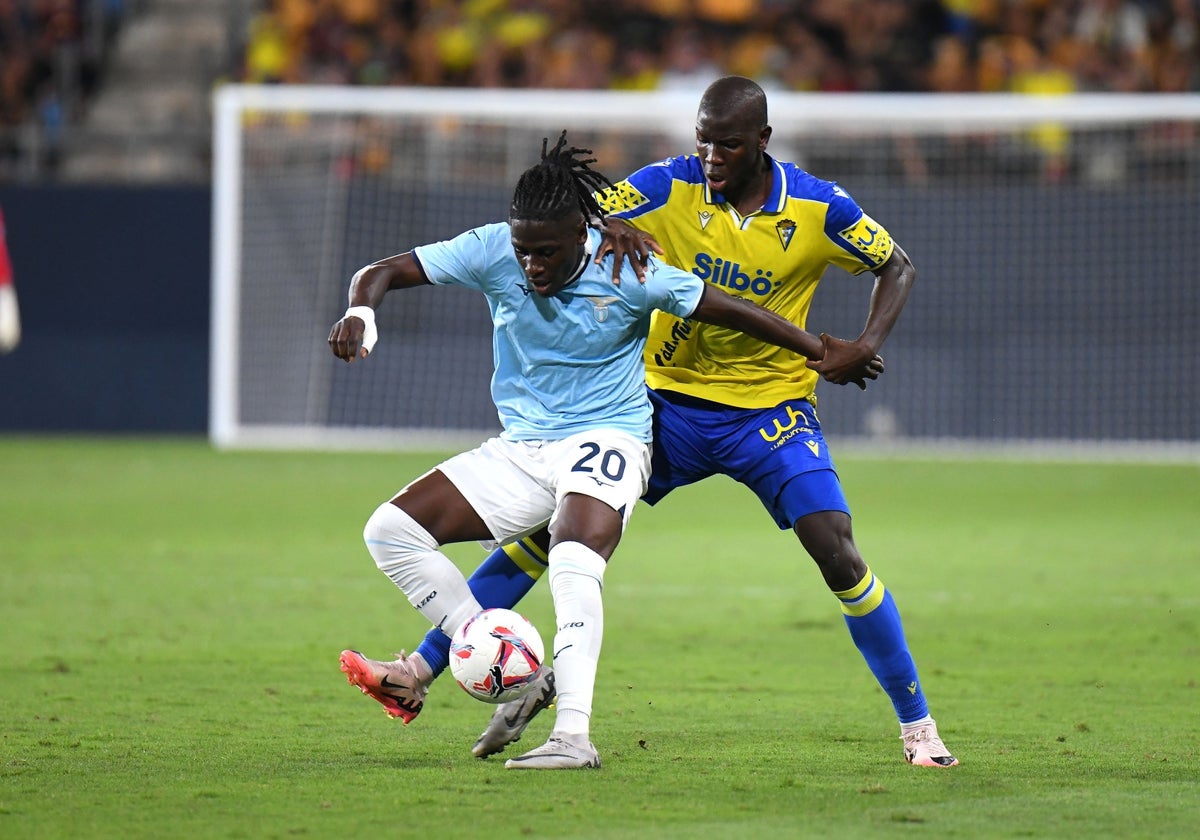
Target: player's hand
x,y
846,361
346,339
625,242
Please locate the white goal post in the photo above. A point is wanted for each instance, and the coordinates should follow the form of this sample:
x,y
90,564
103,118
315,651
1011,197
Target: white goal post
x,y
1055,304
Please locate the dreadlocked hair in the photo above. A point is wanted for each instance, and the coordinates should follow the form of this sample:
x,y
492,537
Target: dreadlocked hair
x,y
561,182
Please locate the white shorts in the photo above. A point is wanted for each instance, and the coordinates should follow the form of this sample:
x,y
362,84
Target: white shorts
x,y
517,486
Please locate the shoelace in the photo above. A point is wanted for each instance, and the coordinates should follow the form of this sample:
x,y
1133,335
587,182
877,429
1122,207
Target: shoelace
x,y
933,744
415,689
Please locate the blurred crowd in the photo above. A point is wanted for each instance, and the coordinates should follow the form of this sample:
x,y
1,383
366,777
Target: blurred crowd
x,y
800,45
53,53
51,56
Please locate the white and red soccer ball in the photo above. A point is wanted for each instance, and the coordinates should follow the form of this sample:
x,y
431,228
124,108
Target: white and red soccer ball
x,y
495,656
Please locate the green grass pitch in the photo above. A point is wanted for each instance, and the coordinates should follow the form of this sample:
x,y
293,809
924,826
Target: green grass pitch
x,y
171,617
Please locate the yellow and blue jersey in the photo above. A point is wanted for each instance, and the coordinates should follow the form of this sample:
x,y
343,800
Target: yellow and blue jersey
x,y
774,257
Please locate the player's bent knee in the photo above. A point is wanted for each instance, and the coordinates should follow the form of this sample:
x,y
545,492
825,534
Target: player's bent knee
x,y
394,538
569,558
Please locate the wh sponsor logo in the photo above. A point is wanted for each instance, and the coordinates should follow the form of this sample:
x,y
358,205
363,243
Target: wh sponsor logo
x,y
795,422
427,599
787,427
731,275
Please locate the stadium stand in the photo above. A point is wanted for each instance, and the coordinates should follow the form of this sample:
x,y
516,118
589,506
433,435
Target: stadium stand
x,y
109,90
119,89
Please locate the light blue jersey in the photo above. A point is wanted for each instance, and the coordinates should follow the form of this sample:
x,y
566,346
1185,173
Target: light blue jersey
x,y
571,362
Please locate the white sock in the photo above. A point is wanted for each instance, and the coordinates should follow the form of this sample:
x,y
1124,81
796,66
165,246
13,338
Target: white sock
x,y
905,728
407,553
576,581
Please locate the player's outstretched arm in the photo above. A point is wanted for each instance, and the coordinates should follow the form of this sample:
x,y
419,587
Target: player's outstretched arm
x,y
724,310
625,242
844,361
354,335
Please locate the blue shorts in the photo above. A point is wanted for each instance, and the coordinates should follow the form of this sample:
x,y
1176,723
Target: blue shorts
x,y
779,453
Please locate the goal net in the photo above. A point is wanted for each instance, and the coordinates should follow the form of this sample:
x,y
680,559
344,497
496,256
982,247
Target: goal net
x,y
1055,303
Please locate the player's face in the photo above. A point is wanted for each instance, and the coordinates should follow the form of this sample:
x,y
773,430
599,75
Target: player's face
x,y
549,252
730,146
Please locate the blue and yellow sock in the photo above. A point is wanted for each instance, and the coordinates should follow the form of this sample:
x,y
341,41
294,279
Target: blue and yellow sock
x,y
874,624
501,580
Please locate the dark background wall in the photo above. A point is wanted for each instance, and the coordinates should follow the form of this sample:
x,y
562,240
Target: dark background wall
x,y
113,284
1075,318
1044,312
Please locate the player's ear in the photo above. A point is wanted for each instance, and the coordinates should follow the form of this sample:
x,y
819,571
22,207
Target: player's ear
x,y
763,138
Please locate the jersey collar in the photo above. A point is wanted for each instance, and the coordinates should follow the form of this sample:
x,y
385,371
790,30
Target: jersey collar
x,y
583,263
776,199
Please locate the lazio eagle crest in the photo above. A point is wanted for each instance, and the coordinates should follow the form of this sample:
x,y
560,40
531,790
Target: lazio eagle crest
x,y
600,307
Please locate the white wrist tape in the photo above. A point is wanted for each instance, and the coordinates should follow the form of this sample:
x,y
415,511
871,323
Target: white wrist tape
x,y
370,333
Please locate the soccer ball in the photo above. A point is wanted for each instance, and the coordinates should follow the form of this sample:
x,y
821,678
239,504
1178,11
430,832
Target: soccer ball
x,y
496,655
